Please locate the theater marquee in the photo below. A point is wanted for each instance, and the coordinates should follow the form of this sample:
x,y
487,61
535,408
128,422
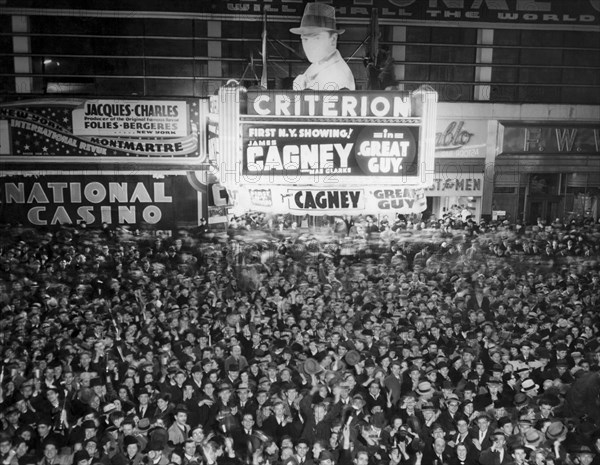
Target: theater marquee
x,y
319,149
325,153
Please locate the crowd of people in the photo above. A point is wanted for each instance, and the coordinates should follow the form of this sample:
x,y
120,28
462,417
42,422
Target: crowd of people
x,y
399,342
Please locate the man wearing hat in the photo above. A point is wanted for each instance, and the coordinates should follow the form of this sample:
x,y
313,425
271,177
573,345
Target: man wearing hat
x,y
327,457
318,417
583,455
483,434
131,454
144,409
519,454
450,414
328,70
484,400
7,452
51,455
374,397
45,433
245,403
497,453
179,430
155,451
394,382
531,389
278,425
556,433
436,453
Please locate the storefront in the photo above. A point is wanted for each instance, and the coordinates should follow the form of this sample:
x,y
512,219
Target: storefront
x,y
460,151
532,161
457,195
546,171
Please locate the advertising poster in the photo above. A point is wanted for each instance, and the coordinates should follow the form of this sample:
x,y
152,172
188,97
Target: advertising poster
x,y
458,138
293,150
320,201
136,200
83,131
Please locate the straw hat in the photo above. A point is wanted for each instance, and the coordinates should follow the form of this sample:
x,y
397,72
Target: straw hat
x,y
312,367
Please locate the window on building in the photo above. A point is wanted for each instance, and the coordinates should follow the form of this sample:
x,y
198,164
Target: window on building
x,y
546,66
442,57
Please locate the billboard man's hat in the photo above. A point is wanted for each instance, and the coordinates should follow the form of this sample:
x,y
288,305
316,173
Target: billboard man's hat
x,y
317,17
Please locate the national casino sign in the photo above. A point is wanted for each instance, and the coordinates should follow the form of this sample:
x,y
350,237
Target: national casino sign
x,y
326,152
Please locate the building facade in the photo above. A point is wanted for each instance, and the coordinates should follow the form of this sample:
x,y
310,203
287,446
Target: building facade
x,y
518,80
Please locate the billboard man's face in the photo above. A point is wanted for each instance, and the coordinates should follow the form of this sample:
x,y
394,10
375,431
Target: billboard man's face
x,y
318,46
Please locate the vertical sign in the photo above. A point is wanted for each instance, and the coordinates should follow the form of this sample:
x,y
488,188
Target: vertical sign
x,y
4,137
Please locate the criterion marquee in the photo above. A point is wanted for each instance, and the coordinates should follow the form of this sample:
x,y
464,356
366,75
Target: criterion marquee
x,y
295,150
326,201
324,152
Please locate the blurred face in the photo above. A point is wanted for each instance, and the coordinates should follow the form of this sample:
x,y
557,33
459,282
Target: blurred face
x,y
42,430
132,450
483,424
162,404
247,422
50,452
362,458
302,449
439,445
316,450
4,447
278,410
508,428
585,459
198,435
519,455
499,440
318,46
545,410
91,448
374,389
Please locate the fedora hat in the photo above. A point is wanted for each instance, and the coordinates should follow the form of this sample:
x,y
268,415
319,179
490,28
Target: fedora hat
x,y
352,357
317,17
555,430
520,399
452,398
583,449
143,425
325,457
499,432
312,367
533,437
